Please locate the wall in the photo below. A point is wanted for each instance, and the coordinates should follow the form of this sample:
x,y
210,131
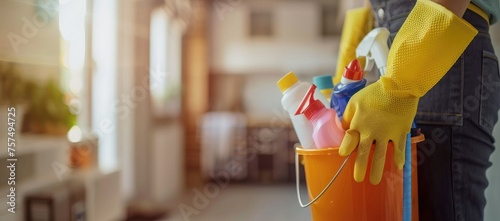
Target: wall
x,y
296,45
167,161
254,94
262,98
35,38
151,153
125,127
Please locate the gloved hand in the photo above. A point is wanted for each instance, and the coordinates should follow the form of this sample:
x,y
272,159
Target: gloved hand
x,y
358,22
427,45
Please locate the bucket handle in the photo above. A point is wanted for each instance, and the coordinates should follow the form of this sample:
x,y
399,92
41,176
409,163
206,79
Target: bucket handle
x,y
297,181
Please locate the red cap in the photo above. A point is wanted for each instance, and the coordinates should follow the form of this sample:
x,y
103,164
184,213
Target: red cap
x,y
313,107
353,71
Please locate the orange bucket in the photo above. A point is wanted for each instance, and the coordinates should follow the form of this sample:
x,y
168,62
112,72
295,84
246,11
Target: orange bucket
x,y
347,199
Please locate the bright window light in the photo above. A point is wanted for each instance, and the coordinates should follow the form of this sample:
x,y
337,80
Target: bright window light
x,y
72,29
158,58
165,64
104,80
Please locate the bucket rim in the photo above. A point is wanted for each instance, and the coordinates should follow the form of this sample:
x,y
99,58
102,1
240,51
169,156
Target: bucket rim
x,y
335,150
417,139
322,151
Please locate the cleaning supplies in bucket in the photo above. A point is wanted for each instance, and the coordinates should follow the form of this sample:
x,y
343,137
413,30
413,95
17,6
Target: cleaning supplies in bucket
x,y
327,130
352,81
346,199
293,91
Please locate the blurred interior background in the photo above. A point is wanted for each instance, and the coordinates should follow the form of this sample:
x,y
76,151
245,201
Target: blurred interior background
x,y
163,109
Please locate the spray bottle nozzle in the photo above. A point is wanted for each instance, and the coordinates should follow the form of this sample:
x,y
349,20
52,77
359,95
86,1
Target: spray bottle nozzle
x,y
313,105
375,49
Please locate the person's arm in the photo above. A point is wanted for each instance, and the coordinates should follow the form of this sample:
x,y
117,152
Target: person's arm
x,y
428,44
458,7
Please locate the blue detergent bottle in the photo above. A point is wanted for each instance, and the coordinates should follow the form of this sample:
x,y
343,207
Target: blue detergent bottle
x,y
352,81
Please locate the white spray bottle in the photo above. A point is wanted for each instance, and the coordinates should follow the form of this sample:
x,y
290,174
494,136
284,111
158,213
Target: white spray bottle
x,y
294,91
374,49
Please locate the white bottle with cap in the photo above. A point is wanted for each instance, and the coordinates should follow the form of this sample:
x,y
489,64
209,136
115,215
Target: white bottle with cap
x,y
294,91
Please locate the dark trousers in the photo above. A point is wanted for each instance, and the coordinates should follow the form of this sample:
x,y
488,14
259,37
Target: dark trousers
x,y
457,117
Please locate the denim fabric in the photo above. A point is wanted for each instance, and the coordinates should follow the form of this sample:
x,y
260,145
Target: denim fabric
x,y
457,117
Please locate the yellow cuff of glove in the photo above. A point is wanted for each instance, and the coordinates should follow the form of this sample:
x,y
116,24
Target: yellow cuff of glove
x,y
358,22
427,45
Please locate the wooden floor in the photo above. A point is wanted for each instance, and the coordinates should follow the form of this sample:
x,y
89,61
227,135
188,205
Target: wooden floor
x,y
238,202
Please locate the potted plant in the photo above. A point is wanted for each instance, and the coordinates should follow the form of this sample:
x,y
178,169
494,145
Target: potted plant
x,y
13,93
48,112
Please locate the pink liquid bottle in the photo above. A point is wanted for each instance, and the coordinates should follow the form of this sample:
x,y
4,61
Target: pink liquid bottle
x,y
327,129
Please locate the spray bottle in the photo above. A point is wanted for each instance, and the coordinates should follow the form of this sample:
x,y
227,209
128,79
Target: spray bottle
x,y
327,130
374,49
352,81
293,91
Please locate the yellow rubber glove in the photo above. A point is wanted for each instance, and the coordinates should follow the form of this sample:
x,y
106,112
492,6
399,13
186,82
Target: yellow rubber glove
x,y
358,22
427,45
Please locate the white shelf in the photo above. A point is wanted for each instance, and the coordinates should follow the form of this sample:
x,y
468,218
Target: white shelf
x,y
103,195
29,143
22,189
42,181
99,184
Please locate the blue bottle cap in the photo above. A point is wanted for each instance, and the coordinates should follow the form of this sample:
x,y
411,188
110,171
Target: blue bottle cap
x,y
323,81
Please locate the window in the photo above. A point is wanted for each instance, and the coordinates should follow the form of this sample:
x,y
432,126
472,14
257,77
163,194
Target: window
x,y
100,93
261,23
72,27
104,80
165,65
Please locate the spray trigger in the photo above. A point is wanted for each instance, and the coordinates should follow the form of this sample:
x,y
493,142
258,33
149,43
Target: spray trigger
x,y
375,49
309,98
368,63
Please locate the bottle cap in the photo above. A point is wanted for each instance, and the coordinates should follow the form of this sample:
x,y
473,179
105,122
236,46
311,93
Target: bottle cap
x,y
287,81
313,107
323,81
353,71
